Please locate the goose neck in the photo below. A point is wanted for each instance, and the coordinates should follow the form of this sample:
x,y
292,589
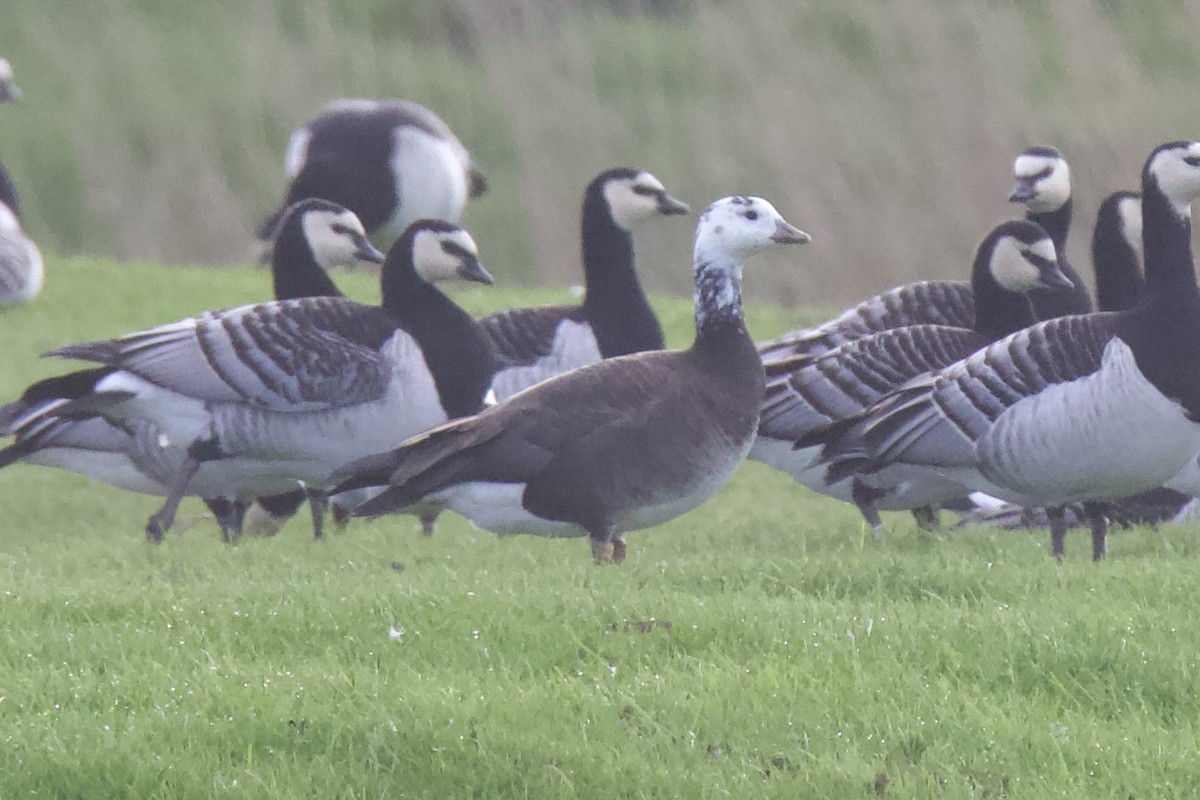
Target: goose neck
x,y
1167,244
295,273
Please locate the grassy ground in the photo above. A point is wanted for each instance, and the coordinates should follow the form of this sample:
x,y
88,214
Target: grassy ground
x,y
762,646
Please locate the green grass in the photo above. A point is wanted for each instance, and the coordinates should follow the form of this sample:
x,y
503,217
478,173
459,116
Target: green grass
x,y
763,646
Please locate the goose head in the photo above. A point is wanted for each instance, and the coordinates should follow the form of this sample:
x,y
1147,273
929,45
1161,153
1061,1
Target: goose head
x,y
334,234
735,227
1175,168
8,89
632,196
441,251
1023,258
1043,180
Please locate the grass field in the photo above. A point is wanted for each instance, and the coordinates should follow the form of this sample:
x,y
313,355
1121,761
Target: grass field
x,y
762,646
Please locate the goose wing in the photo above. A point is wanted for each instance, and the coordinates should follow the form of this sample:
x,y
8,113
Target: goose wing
x,y
289,355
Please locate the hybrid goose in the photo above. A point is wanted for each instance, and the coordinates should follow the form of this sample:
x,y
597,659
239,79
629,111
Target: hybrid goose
x,y
620,445
1043,186
277,395
615,318
1080,409
129,454
391,162
1013,260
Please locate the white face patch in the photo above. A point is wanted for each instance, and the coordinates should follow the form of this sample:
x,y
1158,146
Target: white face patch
x,y
1179,180
1051,190
433,262
1012,270
8,220
331,247
1129,209
631,200
6,72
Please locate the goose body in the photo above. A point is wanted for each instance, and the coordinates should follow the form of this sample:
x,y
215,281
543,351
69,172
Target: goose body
x,y
1082,408
1014,259
619,445
391,162
615,318
276,395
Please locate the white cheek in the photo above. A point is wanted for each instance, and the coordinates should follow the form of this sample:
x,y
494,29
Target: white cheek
x,y
1011,269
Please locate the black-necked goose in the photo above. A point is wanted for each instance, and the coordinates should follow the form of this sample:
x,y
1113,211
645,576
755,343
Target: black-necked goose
x,y
1079,409
316,235
616,446
276,395
1043,186
1117,251
391,162
615,318
1013,260
21,270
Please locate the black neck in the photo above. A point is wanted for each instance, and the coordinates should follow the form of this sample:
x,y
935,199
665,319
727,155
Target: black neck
x,y
294,271
1118,273
1049,303
615,305
1167,244
718,300
1057,223
998,311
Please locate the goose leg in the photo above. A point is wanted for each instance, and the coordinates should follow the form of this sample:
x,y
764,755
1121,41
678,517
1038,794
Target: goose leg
x,y
341,515
428,520
162,520
229,515
318,501
1058,530
1099,523
601,539
865,498
927,518
618,548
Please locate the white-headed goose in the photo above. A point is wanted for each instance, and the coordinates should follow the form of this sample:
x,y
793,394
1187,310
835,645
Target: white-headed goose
x,y
1078,409
615,318
391,162
276,395
316,235
616,446
1014,259
1043,186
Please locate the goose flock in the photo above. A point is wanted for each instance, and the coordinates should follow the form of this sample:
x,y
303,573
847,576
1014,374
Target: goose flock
x,y
1005,396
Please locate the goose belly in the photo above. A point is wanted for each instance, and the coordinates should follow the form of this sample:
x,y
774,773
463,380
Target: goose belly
x,y
664,503
908,487
1107,435
497,507
115,469
431,180
574,346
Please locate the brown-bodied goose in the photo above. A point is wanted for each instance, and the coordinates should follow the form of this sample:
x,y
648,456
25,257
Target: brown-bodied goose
x,y
1043,186
391,162
1014,259
276,395
615,318
620,445
1079,409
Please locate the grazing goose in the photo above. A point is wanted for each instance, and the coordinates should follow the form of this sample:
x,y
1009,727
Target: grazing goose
x,y
1043,186
276,395
391,162
615,318
21,271
8,89
620,445
1013,260
315,235
1078,409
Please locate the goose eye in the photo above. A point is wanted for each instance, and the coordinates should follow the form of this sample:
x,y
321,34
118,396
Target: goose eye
x,y
338,227
1192,161
750,215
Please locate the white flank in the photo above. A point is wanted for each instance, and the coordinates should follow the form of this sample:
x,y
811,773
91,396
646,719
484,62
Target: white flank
x,y
574,346
431,179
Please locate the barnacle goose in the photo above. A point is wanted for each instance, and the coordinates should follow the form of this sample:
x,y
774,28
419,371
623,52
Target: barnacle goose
x,y
1014,259
130,454
276,395
391,162
615,318
620,445
1043,186
1082,408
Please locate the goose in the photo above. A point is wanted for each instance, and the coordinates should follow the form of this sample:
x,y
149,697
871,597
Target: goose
x,y
21,270
276,395
616,446
8,90
391,162
315,235
615,318
1013,260
1043,186
1079,409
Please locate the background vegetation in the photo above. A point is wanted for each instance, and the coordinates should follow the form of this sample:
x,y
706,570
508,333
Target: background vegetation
x,y
155,128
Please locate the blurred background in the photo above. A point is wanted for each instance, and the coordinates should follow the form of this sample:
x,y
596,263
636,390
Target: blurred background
x,y
155,129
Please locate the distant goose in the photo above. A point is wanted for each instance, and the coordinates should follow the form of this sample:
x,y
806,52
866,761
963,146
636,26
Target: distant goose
x,y
276,395
8,89
130,454
391,162
1014,259
620,445
615,318
21,271
1043,185
1078,409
